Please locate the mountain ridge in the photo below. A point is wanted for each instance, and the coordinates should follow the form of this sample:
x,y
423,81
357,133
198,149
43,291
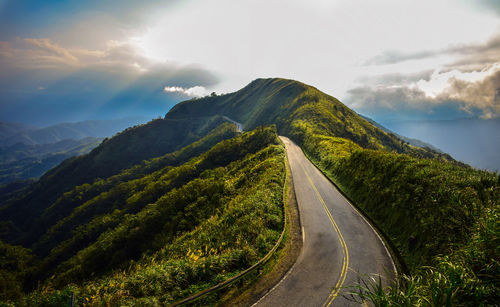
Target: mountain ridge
x,y
296,108
473,140
170,203
299,111
411,141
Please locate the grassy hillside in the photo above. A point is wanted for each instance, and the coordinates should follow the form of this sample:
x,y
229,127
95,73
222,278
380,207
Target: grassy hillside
x,y
137,222
128,148
299,111
164,234
442,217
129,190
449,210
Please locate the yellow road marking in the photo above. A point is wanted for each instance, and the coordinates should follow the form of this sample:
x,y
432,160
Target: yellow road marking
x,y
345,252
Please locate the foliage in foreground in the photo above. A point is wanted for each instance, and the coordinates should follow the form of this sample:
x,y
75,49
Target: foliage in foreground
x,y
449,209
452,210
467,277
19,213
222,214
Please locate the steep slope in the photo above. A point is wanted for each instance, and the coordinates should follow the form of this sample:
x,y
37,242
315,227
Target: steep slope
x,y
133,207
103,194
311,118
299,111
441,215
222,208
129,231
130,147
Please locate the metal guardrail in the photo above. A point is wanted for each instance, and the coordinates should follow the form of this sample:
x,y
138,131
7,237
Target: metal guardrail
x,y
259,263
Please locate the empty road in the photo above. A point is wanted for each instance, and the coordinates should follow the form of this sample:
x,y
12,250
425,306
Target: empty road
x,y
338,243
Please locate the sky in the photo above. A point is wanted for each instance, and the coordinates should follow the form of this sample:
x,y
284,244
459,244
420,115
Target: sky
x,y
391,60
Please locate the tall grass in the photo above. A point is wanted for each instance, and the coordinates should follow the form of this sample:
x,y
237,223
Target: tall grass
x,y
449,210
215,223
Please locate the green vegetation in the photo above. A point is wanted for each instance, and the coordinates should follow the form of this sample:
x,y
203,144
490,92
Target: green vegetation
x,y
133,187
299,111
452,208
14,264
128,148
138,238
453,213
168,208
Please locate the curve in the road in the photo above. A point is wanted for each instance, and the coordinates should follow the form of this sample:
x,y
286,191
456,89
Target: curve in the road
x,y
326,265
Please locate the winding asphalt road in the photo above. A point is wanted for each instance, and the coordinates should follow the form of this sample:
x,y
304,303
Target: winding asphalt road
x,y
339,244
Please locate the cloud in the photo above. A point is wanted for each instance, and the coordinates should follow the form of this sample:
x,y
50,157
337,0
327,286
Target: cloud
x,y
393,57
396,78
491,5
460,98
483,95
25,56
52,50
43,53
388,104
476,57
470,55
89,22
80,83
195,91
468,84
389,98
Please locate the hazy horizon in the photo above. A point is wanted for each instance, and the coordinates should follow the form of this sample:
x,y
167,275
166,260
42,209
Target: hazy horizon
x,y
393,61
73,61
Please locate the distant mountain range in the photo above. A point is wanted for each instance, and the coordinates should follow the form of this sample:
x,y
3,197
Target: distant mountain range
x,y
168,208
414,142
23,161
474,141
12,133
9,129
28,152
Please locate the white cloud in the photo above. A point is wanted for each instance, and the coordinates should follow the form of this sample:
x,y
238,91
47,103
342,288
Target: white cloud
x,y
441,80
422,47
43,53
123,59
474,94
308,40
195,91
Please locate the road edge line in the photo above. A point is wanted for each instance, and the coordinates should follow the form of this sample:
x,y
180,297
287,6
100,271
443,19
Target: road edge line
x,y
396,258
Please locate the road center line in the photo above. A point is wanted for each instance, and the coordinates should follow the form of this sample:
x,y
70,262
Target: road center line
x,y
345,252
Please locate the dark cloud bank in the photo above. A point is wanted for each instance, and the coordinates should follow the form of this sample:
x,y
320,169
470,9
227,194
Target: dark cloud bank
x,y
460,99
44,83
